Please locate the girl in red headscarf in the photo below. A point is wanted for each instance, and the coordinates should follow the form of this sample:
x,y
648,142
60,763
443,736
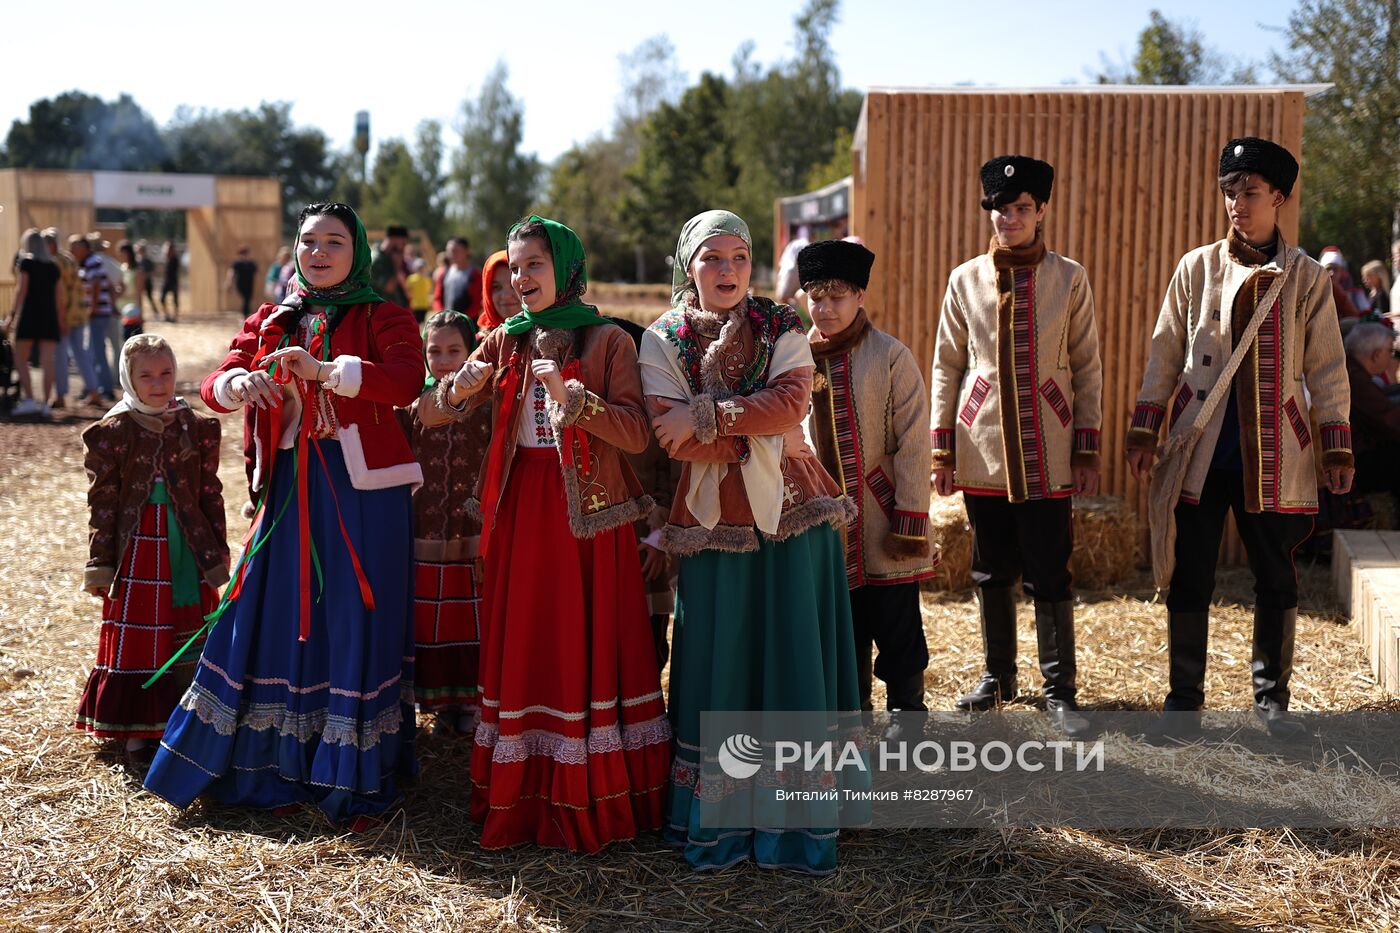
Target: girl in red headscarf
x,y
498,299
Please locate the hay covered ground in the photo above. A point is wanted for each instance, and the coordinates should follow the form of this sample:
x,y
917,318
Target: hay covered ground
x,y
82,847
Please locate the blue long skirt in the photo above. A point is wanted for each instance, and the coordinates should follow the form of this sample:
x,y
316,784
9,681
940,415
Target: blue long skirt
x,y
271,720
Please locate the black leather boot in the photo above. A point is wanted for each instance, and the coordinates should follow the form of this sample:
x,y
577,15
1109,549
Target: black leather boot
x,y
1187,638
998,682
905,701
1054,634
1271,667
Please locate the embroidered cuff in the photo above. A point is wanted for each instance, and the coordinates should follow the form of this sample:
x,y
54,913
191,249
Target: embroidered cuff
x,y
1147,417
909,524
344,376
942,441
702,412
99,576
1087,443
223,391
1336,445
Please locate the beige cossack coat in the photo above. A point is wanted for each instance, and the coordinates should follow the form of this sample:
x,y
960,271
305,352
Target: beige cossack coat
x,y
1017,384
1295,369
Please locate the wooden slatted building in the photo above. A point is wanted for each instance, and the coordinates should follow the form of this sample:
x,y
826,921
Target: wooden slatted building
x,y
1135,170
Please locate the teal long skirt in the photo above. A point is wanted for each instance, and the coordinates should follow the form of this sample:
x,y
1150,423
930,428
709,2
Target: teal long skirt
x,y
764,630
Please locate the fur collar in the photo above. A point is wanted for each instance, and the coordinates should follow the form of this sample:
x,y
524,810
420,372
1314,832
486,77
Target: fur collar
x,y
729,341
843,342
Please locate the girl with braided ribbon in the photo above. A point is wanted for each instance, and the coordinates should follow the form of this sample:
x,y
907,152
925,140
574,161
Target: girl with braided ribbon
x,y
304,691
573,745
763,619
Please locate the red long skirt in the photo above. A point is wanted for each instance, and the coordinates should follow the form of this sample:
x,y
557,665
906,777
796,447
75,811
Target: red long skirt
x,y
141,628
447,636
574,746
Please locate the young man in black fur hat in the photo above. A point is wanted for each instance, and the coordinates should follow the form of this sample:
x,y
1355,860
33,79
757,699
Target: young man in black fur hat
x,y
867,424
1255,455
1017,382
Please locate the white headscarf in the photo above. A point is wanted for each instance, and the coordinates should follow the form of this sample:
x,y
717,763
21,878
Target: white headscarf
x,y
130,400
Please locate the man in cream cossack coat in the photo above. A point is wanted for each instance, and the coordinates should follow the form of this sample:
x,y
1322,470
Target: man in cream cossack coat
x,y
1017,382
1255,456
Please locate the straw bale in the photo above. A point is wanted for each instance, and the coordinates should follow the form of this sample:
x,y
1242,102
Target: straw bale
x,y
1105,541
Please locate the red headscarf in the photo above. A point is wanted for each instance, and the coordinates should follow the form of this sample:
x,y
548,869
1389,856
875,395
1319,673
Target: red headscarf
x,y
490,316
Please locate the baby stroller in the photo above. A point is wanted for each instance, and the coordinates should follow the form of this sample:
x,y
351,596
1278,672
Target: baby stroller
x,y
9,379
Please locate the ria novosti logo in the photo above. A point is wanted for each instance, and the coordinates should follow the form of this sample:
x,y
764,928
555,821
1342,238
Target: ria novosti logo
x,y
740,756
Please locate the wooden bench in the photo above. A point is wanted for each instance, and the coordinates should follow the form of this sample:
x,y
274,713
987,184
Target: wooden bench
x,y
1366,570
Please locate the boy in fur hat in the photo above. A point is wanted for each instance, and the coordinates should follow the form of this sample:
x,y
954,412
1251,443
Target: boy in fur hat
x,y
1254,457
1017,382
869,408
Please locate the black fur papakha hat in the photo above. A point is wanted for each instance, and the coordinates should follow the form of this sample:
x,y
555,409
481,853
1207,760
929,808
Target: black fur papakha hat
x,y
1252,154
835,259
1005,177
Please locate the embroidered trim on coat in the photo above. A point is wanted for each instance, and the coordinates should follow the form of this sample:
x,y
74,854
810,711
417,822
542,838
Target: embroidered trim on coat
x,y
1299,423
975,398
1051,390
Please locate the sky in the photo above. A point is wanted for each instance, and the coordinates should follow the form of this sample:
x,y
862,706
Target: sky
x,y
417,59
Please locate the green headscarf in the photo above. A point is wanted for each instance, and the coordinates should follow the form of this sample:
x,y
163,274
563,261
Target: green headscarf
x,y
570,281
356,289
696,231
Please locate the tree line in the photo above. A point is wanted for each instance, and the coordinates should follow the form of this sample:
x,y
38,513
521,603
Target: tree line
x,y
740,138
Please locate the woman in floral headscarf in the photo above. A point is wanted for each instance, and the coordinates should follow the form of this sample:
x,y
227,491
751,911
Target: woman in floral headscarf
x,y
763,620
573,746
309,699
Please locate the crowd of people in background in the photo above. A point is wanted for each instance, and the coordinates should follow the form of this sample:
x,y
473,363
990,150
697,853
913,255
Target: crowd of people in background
x,y
75,303
399,271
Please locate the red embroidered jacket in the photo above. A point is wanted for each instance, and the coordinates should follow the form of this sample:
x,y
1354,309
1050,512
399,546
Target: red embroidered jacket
x,y
378,357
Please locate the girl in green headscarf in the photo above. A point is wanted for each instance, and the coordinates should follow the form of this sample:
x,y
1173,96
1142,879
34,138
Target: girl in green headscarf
x,y
573,746
304,691
763,618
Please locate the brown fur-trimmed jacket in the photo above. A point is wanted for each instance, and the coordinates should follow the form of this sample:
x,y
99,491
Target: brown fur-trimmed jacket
x,y
123,456
1209,302
605,402
980,426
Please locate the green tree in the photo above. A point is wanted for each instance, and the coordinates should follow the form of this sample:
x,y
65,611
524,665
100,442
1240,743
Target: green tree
x,y
588,184
405,184
839,165
260,141
586,187
1351,164
686,164
1171,52
495,181
79,131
